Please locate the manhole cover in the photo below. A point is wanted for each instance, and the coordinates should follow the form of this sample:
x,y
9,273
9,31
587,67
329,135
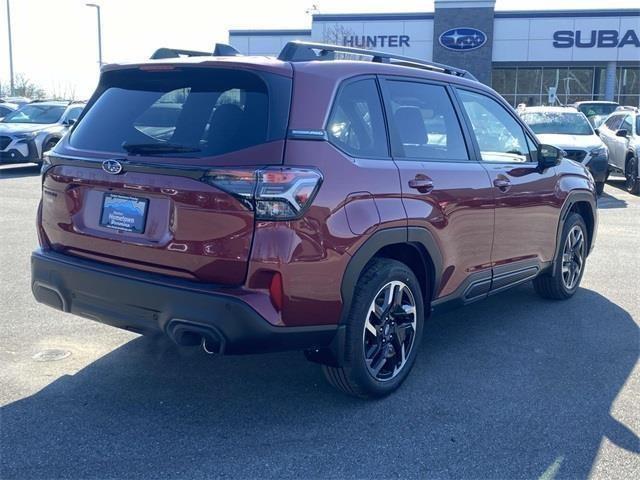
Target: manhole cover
x,y
51,355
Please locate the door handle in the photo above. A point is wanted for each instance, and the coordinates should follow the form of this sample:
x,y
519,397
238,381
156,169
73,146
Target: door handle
x,y
422,183
502,183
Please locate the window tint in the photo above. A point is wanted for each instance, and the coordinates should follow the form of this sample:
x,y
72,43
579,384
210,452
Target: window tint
x,y
614,122
425,122
35,113
196,112
73,113
356,124
499,135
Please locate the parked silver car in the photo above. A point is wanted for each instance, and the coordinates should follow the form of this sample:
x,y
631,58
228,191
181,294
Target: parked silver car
x,y
35,128
621,133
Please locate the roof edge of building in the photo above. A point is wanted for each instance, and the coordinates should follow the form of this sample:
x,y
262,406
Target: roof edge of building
x,y
268,32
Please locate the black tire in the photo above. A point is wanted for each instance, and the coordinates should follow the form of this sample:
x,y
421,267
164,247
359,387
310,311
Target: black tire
x,y
632,182
553,284
355,376
599,188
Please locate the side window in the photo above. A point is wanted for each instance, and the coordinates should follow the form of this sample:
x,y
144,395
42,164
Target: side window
x,y
627,124
614,122
74,113
500,137
356,124
425,121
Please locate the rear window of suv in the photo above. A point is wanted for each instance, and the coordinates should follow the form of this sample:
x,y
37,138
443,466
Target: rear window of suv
x,y
192,112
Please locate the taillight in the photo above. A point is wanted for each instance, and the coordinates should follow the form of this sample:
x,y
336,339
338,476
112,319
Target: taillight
x,y
274,193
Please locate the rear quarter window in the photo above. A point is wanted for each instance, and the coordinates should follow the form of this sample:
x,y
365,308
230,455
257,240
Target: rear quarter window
x,y
356,123
210,111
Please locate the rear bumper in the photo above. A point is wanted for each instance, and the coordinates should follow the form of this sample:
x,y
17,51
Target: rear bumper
x,y
150,304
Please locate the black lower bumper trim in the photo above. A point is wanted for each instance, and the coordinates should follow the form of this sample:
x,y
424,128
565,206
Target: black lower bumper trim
x,y
125,299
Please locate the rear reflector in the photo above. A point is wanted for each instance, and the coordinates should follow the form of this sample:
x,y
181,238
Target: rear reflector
x,y
276,292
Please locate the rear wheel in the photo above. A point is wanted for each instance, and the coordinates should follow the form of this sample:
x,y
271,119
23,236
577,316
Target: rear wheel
x,y
632,183
569,265
384,330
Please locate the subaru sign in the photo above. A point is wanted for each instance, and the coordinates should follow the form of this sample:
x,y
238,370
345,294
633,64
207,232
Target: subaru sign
x,y
463,38
595,38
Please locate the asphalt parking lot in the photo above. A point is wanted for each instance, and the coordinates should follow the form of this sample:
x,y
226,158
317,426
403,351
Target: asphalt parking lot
x,y
513,387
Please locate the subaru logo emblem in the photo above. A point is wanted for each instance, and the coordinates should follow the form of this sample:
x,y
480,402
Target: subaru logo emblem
x,y
463,38
114,167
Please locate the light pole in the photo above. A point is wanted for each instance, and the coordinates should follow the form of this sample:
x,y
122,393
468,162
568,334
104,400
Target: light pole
x,y
97,7
10,48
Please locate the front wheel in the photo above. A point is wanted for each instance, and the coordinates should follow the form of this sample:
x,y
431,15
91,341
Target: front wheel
x,y
568,267
384,329
632,182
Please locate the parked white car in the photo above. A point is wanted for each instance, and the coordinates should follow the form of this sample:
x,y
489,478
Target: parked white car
x,y
569,129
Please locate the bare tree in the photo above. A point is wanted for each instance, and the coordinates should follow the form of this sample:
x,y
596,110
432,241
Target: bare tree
x,y
63,91
24,87
336,34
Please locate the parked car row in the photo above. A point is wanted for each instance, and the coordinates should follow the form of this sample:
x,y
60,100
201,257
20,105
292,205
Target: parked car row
x,y
29,131
621,133
611,147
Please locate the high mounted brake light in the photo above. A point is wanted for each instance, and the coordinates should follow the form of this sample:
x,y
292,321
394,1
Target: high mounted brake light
x,y
274,193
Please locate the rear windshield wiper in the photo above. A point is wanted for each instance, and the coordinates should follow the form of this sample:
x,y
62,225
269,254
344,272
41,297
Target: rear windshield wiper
x,y
158,148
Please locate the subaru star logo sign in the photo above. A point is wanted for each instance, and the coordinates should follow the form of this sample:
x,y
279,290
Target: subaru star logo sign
x,y
113,167
463,38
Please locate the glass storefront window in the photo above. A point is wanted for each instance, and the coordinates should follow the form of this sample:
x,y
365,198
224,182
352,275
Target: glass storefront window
x,y
529,80
530,85
579,81
629,78
504,80
554,77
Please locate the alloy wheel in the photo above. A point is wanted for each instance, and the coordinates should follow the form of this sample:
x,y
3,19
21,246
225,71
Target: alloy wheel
x,y
390,330
573,255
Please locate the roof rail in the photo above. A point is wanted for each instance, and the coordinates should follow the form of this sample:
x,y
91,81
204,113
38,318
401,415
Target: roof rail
x,y
219,50
296,51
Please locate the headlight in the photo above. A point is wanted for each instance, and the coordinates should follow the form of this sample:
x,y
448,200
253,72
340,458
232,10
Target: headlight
x,y
599,152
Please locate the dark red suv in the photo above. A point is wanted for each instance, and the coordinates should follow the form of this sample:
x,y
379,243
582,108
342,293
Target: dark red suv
x,y
252,204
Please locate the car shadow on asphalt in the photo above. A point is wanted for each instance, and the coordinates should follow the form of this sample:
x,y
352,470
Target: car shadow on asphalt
x,y
19,170
510,387
607,201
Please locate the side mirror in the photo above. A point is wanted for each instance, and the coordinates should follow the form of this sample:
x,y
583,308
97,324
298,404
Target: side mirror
x,y
622,133
597,130
69,122
548,156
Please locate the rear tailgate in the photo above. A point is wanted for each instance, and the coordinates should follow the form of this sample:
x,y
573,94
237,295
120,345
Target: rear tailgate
x,y
151,204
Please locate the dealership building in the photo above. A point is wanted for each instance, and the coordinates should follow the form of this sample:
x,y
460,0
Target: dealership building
x,y
533,57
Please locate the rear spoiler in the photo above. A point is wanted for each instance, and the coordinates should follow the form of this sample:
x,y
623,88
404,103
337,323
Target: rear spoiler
x,y
219,50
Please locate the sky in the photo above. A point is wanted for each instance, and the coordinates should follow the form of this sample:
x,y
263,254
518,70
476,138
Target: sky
x,y
55,41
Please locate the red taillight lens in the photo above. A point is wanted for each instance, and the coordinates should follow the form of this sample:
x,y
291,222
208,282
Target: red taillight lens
x,y
275,193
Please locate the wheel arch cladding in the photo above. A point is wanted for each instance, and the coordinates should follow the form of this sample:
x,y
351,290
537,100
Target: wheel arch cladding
x,y
415,247
584,204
